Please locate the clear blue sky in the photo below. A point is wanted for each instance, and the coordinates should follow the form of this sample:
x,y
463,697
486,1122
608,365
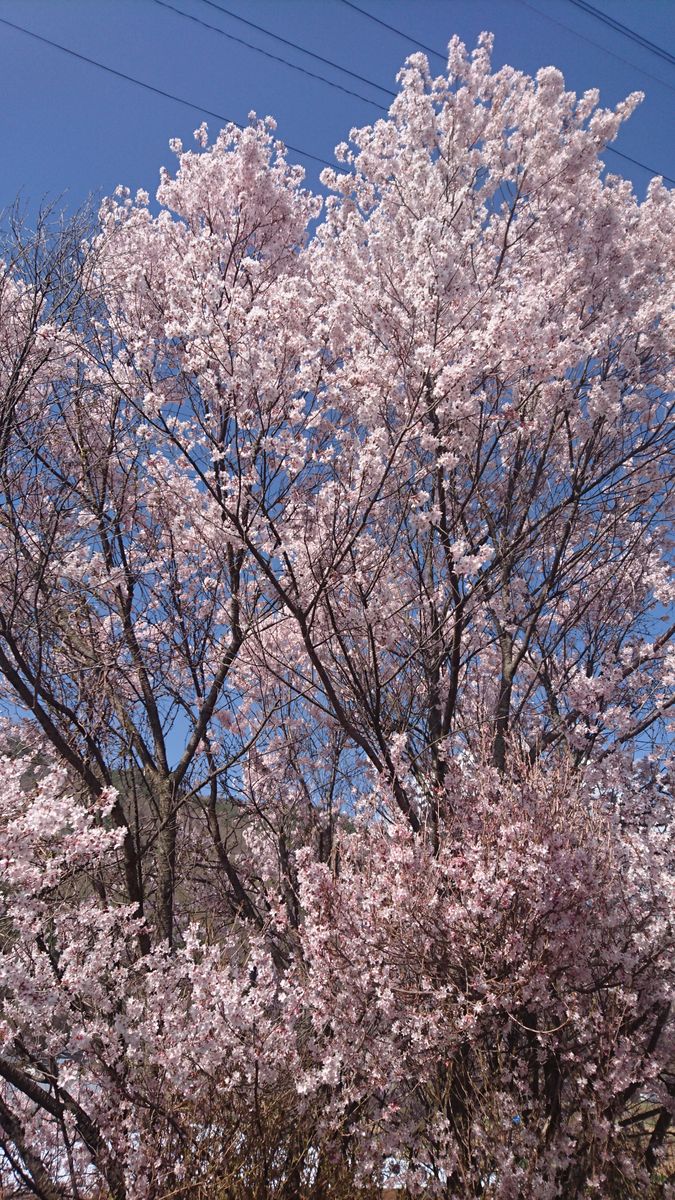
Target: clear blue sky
x,y
69,129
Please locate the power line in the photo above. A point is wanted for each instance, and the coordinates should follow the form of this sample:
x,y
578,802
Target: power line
x,y
149,87
267,54
636,162
295,46
624,29
598,45
392,29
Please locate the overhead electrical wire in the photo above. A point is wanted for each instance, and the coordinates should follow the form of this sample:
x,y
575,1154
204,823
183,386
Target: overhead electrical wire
x,y
228,120
624,29
392,29
636,162
149,87
295,46
598,45
231,37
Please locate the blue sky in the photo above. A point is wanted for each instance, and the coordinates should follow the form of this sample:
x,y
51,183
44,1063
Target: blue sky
x,y
68,129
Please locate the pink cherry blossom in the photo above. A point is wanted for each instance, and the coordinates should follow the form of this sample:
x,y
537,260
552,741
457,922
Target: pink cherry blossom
x,y
336,660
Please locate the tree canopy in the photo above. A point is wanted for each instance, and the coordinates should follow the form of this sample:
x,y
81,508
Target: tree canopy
x,y
335,582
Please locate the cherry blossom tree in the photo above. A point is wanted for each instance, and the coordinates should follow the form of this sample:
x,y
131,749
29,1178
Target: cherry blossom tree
x,y
335,649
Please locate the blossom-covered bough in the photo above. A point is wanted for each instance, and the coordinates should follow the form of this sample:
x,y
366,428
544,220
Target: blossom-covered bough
x,y
334,641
